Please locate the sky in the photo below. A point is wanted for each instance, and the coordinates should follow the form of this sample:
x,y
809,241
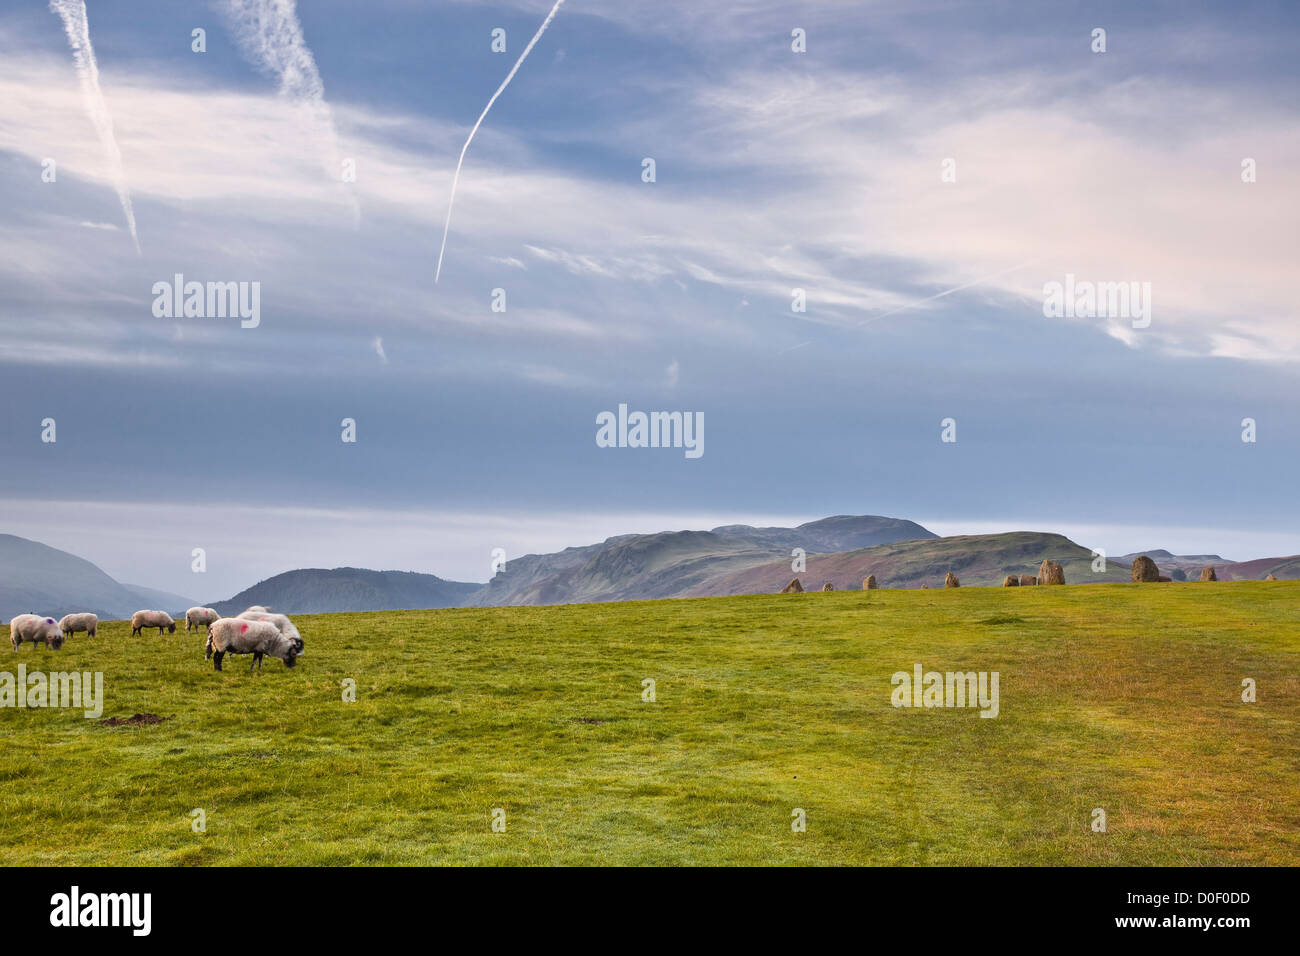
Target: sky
x,y
922,171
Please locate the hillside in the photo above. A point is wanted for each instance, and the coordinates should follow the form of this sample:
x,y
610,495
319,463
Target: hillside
x,y
1284,569
39,579
316,591
676,563
1119,696
976,559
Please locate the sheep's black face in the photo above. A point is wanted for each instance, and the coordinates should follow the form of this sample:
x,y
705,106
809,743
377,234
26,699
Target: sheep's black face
x,y
57,643
291,659
172,628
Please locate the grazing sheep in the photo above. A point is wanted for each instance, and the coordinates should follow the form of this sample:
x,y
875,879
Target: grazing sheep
x,y
950,580
197,617
33,628
1049,572
71,623
282,624
1144,569
1207,574
1011,581
794,587
1027,579
259,609
237,635
869,583
159,619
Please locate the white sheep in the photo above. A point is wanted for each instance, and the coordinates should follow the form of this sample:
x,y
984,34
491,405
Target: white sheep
x,y
33,628
197,617
236,635
158,619
258,607
71,623
282,623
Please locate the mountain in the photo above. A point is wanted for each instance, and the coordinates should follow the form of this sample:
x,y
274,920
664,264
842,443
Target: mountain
x,y
37,578
164,600
677,563
976,559
319,591
1287,568
732,559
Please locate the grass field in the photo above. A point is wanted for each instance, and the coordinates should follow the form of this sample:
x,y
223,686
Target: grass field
x,y
1123,697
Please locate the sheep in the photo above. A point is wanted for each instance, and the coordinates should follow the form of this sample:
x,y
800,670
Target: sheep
x,y
71,623
282,624
259,609
237,635
34,628
197,617
159,619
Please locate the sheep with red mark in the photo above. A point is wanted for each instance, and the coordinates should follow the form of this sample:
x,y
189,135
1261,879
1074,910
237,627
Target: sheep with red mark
x,y
234,635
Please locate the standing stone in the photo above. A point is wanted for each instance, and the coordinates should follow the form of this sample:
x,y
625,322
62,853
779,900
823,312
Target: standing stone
x,y
794,587
1207,574
950,580
1049,572
1144,569
1011,581
869,583
1027,579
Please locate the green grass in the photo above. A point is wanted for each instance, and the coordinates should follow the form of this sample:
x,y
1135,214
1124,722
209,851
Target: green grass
x,y
1124,697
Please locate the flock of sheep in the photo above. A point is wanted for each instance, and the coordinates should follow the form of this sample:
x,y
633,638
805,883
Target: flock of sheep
x,y
257,631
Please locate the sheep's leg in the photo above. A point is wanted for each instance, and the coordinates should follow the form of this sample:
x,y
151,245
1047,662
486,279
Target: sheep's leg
x,y
216,660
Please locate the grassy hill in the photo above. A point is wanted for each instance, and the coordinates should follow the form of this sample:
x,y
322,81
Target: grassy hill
x,y
1119,696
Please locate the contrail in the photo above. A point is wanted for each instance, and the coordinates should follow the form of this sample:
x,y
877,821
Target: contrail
x,y
959,288
937,295
504,83
270,37
73,14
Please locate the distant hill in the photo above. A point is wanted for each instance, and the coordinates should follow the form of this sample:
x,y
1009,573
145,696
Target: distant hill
x,y
732,559
677,563
37,578
163,600
976,559
320,591
1283,569
1286,568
